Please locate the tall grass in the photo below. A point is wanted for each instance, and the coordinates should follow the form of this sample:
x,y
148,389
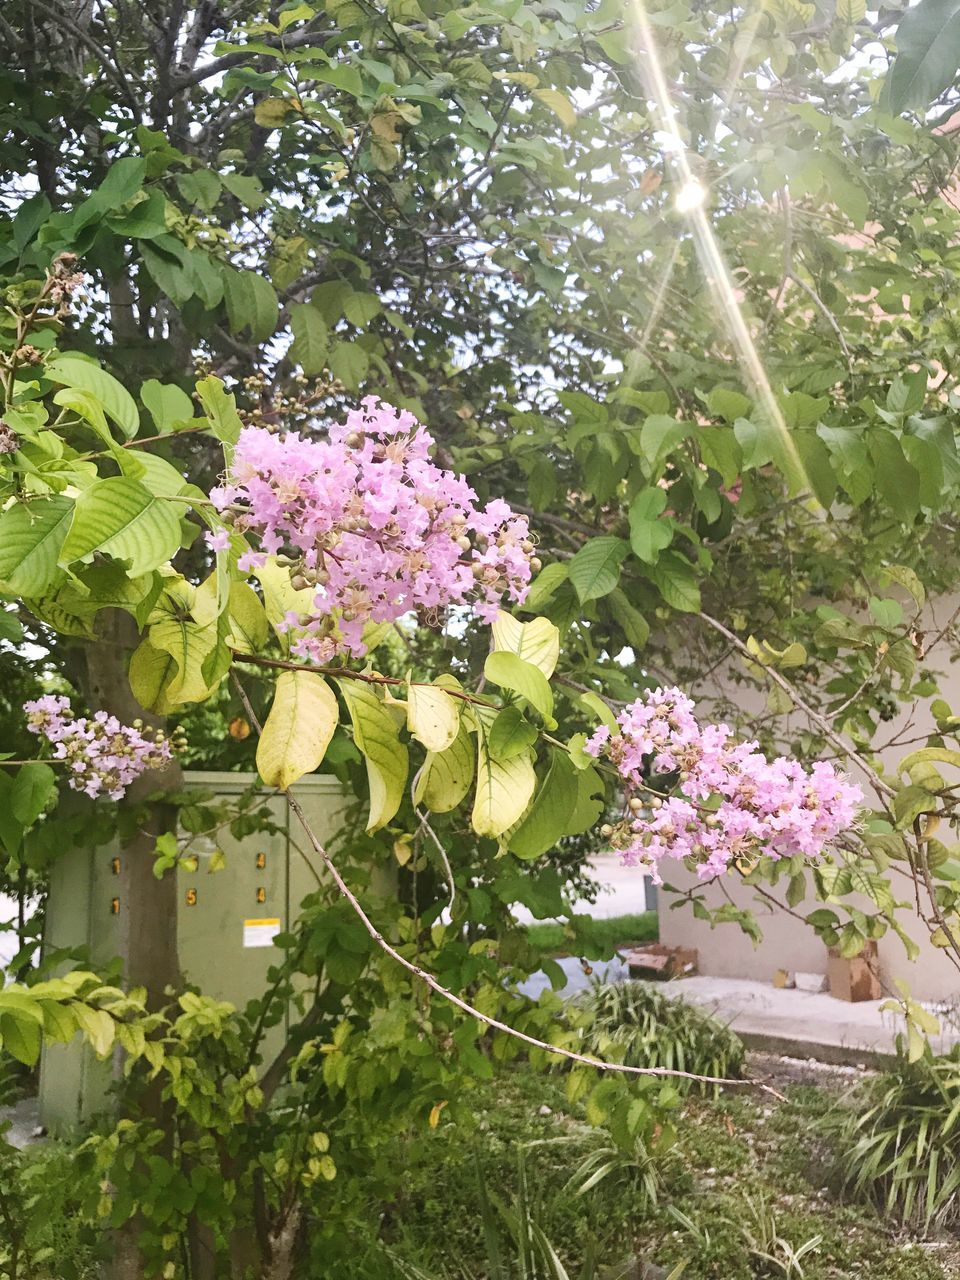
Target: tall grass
x,y
643,1026
903,1152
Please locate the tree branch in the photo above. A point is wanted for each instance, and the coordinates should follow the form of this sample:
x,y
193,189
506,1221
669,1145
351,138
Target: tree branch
x,y
494,1023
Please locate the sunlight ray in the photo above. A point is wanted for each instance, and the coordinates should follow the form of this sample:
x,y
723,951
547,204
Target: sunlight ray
x,y
691,200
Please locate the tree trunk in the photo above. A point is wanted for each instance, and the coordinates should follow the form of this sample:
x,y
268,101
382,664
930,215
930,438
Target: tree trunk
x,y
148,906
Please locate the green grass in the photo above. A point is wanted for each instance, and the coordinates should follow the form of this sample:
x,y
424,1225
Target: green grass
x,y
620,931
747,1175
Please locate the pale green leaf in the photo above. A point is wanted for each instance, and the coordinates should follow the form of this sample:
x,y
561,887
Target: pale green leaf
x,y
302,720
117,402
510,671
376,738
433,717
121,518
537,642
446,776
31,539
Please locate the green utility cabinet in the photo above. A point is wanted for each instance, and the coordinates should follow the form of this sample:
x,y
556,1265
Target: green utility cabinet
x,y
225,927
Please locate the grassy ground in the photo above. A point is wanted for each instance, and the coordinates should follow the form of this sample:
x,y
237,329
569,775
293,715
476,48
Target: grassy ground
x,y
620,931
748,1176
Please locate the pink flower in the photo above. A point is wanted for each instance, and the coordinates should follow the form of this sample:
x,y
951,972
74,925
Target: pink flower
x,y
102,755
218,540
728,802
373,526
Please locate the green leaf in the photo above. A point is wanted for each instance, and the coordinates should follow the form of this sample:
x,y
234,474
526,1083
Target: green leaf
x,y
20,1036
510,734
659,436
221,409
906,577
121,518
251,303
593,702
648,534
928,42
504,788
676,581
544,585
349,362
595,569
929,755
589,803
310,338
377,739
910,802
537,642
167,404
433,717
201,187
636,629
446,776
32,788
510,671
31,538
117,402
898,483
151,673
546,820
720,450
302,720
726,404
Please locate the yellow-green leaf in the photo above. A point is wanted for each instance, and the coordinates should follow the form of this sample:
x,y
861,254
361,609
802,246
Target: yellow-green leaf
x,y
511,672
537,642
433,717
376,736
504,788
298,729
559,104
121,518
446,775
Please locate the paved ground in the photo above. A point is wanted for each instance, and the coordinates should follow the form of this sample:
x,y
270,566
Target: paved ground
x,y
24,1118
796,1023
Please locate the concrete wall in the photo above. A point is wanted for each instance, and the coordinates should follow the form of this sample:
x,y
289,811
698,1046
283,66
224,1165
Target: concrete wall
x,y
789,943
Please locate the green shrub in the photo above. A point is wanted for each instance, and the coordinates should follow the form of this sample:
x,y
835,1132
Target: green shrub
x,y
903,1152
639,1024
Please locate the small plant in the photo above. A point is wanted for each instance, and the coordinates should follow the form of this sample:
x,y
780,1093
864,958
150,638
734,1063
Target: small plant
x,y
516,1244
769,1251
768,1247
638,1024
902,1152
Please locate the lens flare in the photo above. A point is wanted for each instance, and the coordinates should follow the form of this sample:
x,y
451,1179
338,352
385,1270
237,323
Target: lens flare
x,y
690,200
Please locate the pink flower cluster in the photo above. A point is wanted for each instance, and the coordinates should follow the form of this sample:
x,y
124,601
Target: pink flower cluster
x,y
730,801
102,755
377,529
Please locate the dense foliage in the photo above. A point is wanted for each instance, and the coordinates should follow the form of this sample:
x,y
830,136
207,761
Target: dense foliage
x,y
671,290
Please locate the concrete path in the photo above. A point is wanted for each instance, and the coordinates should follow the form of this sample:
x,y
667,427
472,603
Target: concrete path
x,y
801,1023
795,1024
